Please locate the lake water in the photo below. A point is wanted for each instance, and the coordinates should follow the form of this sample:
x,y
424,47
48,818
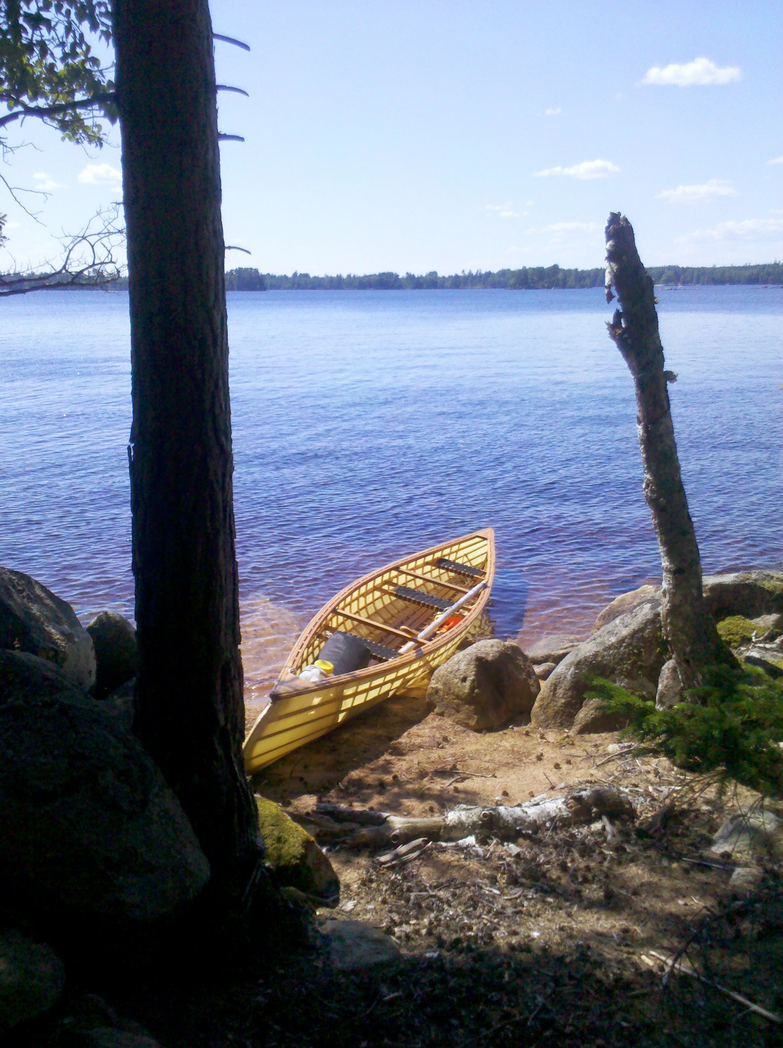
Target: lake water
x,y
371,424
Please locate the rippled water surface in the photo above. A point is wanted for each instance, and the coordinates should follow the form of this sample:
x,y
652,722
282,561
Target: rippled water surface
x,y
371,424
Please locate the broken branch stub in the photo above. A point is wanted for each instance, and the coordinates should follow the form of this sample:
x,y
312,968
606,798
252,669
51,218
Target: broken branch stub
x,y
687,623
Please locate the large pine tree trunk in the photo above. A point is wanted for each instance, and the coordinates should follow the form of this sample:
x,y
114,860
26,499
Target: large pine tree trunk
x,y
190,712
687,623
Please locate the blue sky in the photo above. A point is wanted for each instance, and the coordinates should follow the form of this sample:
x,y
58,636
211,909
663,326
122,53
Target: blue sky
x,y
463,134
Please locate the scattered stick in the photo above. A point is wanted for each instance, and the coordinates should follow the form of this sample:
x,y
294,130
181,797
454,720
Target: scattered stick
x,y
706,862
342,813
405,853
683,968
614,756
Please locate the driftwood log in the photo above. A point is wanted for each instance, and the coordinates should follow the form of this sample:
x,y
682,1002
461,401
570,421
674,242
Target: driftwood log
x,y
687,623
505,822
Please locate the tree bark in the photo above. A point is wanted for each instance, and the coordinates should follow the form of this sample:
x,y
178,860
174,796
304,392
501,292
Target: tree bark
x,y
190,711
687,623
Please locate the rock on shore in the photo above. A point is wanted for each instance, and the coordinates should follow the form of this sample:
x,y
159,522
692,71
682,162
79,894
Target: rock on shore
x,y
628,647
34,620
91,829
484,686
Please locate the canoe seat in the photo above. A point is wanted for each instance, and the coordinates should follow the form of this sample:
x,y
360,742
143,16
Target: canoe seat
x,y
427,600
459,569
380,651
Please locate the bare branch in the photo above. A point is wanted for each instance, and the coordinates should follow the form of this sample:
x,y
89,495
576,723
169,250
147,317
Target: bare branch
x,y
230,138
88,260
13,190
233,247
236,90
230,40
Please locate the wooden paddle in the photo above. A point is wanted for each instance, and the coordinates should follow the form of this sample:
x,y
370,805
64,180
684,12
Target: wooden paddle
x,y
429,630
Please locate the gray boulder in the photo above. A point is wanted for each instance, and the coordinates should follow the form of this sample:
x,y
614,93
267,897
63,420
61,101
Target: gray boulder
x,y
484,686
630,651
34,620
91,830
116,652
552,649
624,603
746,593
32,978
25,677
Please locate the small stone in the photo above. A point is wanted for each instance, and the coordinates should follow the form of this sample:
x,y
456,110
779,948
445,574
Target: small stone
x,y
755,830
745,879
543,670
354,946
116,652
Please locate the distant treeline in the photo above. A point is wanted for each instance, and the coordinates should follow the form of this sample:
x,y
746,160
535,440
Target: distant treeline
x,y
533,277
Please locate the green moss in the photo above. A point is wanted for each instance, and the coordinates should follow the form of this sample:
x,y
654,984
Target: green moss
x,y
736,630
297,860
284,839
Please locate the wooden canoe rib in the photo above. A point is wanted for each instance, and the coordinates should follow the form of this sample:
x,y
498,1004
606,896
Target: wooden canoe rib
x,y
381,610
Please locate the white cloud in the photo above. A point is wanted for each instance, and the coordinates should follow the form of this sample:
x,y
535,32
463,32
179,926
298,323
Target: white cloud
x,y
504,211
553,111
777,160
586,170
751,229
698,72
570,227
101,175
711,190
45,183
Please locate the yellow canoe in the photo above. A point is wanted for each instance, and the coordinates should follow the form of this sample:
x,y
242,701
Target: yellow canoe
x,y
376,621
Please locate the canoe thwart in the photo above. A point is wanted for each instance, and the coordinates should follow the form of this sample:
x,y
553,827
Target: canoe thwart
x,y
459,569
434,581
427,600
371,622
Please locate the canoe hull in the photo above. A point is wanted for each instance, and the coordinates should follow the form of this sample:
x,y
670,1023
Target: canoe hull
x,y
299,715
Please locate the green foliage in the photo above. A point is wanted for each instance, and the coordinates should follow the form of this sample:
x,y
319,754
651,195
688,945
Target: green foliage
x,y
527,279
47,69
730,725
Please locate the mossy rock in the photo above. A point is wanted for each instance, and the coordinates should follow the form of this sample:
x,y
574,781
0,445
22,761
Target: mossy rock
x,y
294,856
737,630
